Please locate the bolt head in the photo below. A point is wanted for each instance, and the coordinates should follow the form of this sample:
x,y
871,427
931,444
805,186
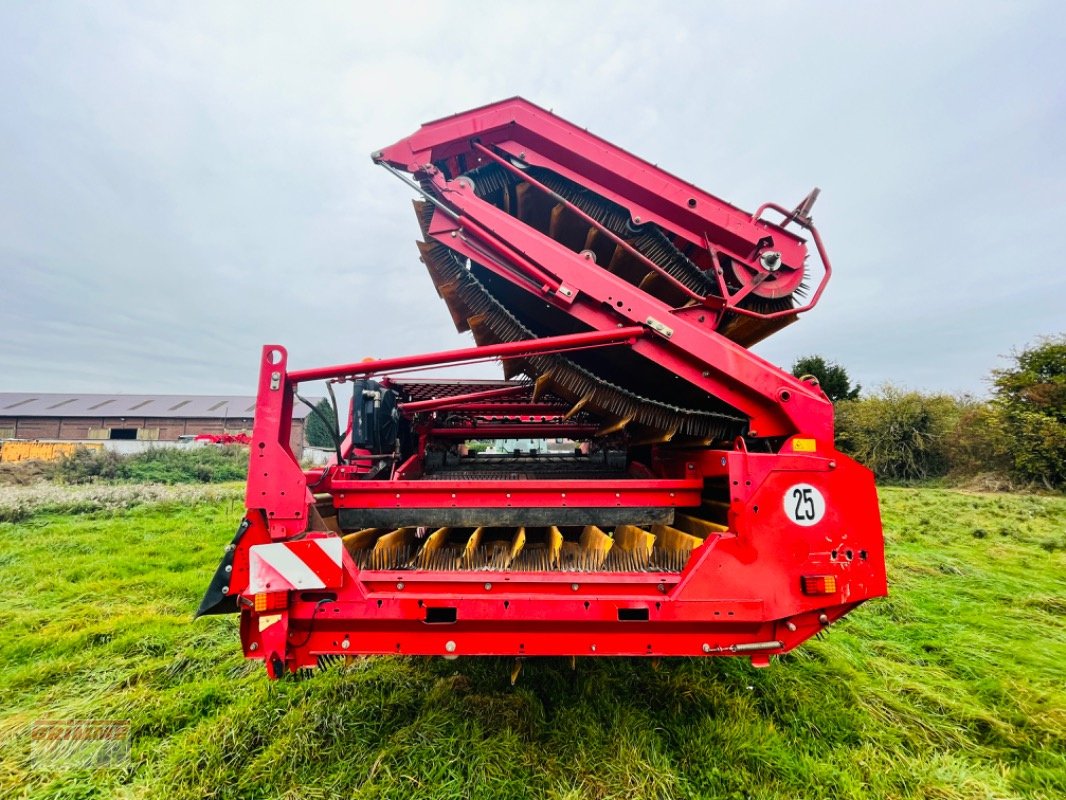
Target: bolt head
x,y
450,646
770,260
399,586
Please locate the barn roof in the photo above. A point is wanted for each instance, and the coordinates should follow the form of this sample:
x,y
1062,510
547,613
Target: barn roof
x,y
174,406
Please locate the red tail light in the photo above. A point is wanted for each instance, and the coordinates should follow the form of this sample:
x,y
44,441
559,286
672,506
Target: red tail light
x,y
819,584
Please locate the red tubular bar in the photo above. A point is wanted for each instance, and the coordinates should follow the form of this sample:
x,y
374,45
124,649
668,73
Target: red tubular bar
x,y
447,402
526,347
545,280
507,409
515,259
519,430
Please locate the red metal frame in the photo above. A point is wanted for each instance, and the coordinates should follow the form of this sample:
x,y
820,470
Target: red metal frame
x,y
537,137
741,593
744,591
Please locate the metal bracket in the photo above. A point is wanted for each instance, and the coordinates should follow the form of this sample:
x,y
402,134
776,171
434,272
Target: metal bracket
x,y
661,329
219,599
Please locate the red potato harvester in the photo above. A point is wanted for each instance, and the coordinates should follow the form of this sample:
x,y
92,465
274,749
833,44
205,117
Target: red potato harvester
x,y
672,494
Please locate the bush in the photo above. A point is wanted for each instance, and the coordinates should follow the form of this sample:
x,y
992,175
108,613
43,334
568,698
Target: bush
x,y
206,464
85,465
1030,399
195,465
1039,448
900,435
979,445
906,436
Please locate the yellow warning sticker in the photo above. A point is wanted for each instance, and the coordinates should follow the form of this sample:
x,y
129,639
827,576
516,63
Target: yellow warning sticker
x,y
803,446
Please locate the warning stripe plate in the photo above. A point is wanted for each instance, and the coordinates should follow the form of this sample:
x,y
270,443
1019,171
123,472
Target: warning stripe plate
x,y
287,566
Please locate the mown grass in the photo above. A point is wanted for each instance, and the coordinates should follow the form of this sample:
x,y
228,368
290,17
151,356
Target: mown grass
x,y
22,502
954,687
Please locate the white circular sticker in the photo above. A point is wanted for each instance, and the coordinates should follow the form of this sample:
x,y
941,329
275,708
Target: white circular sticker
x,y
804,504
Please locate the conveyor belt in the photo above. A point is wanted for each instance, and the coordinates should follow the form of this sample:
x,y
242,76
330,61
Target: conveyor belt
x,y
504,189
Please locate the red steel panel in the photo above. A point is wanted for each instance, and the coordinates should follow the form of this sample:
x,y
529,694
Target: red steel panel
x,y
517,494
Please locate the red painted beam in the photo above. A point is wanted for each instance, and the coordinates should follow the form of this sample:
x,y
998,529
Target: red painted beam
x,y
549,344
515,430
447,402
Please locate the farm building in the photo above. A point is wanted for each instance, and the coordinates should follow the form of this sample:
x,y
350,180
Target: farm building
x,y
130,421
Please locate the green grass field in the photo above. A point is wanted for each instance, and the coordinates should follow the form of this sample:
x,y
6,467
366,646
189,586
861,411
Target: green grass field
x,y
954,687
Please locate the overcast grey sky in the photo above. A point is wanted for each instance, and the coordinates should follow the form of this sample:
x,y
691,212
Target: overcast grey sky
x,y
181,183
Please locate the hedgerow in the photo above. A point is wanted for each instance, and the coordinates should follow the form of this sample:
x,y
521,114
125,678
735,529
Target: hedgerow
x,y
195,464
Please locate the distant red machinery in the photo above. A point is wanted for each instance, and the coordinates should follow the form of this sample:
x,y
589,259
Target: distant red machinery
x,y
224,438
683,496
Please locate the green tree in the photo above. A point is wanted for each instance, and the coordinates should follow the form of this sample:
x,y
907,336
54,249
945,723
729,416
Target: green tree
x,y
1031,400
321,427
832,377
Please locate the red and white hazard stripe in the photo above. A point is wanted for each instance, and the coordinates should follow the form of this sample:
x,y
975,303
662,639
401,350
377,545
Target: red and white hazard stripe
x,y
285,566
